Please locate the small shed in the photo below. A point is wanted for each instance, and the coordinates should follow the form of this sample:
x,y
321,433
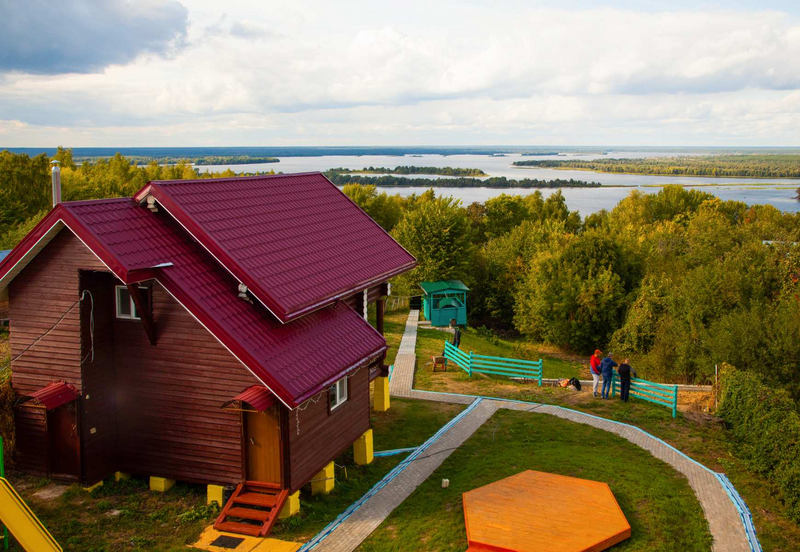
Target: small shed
x,y
445,300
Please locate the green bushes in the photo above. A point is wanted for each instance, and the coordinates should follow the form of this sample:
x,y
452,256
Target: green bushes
x,y
765,423
7,413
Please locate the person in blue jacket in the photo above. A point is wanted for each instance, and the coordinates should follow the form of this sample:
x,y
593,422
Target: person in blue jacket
x,y
607,369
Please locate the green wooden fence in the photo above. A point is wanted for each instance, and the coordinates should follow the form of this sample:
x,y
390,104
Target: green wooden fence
x,y
658,393
498,366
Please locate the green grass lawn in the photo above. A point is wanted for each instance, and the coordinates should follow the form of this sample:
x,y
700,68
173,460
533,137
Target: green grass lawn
x,y
394,323
119,516
127,516
657,501
406,424
431,342
699,435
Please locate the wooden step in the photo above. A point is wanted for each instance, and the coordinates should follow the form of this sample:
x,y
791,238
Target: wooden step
x,y
263,485
242,528
247,513
248,494
256,499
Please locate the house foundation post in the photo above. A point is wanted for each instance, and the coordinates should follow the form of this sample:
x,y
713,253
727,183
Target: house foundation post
x,y
380,395
362,449
323,482
215,493
161,484
291,506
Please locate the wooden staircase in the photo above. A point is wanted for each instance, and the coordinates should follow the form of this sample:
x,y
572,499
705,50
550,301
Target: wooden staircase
x,y
252,509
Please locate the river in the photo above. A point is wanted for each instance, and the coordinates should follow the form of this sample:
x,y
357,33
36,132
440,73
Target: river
x,y
777,192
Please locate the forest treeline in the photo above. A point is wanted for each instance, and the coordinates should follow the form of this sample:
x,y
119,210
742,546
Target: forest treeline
x,y
494,182
25,189
226,160
183,159
745,165
409,169
678,280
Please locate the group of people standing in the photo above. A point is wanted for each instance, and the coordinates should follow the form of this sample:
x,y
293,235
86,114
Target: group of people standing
x,y
604,367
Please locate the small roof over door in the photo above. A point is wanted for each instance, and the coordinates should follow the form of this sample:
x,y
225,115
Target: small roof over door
x,y
53,395
257,396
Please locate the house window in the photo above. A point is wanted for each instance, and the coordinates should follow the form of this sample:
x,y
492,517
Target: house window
x,y
126,308
337,394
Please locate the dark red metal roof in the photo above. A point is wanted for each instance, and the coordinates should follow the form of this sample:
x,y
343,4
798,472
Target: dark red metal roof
x,y
54,395
257,396
295,360
296,241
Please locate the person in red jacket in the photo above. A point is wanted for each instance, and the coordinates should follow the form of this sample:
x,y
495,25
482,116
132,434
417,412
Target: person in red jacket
x,y
594,368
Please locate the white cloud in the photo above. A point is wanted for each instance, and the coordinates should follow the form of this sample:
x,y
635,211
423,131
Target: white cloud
x,y
318,73
80,36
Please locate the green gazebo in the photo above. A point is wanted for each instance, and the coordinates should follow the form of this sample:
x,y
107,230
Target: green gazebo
x,y
445,300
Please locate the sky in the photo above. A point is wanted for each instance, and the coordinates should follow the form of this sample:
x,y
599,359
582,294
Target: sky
x,y
84,73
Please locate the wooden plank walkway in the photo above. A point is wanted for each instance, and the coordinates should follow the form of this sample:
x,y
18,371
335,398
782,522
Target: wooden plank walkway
x,y
723,518
351,532
403,375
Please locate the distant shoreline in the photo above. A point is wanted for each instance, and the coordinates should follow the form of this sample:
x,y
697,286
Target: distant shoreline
x,y
523,167
399,151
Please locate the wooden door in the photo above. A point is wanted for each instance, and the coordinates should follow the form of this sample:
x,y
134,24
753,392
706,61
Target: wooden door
x,y
63,441
263,444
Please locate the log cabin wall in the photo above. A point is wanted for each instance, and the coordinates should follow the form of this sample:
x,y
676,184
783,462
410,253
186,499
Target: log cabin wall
x,y
99,405
324,435
43,292
169,396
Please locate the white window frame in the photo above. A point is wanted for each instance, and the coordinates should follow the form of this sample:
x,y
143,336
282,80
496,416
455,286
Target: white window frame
x,y
339,395
134,315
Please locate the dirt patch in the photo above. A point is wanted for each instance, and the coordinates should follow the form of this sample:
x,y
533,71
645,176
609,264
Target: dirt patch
x,y
701,418
555,352
51,492
695,401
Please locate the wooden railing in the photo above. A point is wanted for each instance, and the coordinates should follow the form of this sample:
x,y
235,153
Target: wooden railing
x,y
658,393
498,366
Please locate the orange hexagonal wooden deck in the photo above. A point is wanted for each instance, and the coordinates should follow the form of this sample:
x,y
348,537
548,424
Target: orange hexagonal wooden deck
x,y
537,511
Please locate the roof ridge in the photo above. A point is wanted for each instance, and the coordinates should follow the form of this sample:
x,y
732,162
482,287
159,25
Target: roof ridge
x,y
96,201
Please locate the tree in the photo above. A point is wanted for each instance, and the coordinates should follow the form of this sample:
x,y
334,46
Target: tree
x,y
503,263
437,232
576,293
384,209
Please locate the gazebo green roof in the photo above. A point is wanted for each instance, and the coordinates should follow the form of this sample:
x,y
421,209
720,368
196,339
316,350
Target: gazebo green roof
x,y
442,285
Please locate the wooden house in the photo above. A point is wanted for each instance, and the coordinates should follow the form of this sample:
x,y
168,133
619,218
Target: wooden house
x,y
444,301
210,331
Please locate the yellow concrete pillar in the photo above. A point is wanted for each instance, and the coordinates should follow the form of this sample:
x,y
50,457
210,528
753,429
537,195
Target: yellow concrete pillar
x,y
161,484
214,493
380,396
322,483
291,506
119,476
362,449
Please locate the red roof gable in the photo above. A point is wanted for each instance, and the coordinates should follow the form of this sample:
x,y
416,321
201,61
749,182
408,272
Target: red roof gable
x,y
296,241
295,361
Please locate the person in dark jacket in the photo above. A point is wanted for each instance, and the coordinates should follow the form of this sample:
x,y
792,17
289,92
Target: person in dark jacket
x,y
456,342
625,372
607,369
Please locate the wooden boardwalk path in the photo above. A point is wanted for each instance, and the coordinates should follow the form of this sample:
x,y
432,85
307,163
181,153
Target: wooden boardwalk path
x,y
724,522
403,375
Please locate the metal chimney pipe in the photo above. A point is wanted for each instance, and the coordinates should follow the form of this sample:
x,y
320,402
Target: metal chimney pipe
x,y
56,178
